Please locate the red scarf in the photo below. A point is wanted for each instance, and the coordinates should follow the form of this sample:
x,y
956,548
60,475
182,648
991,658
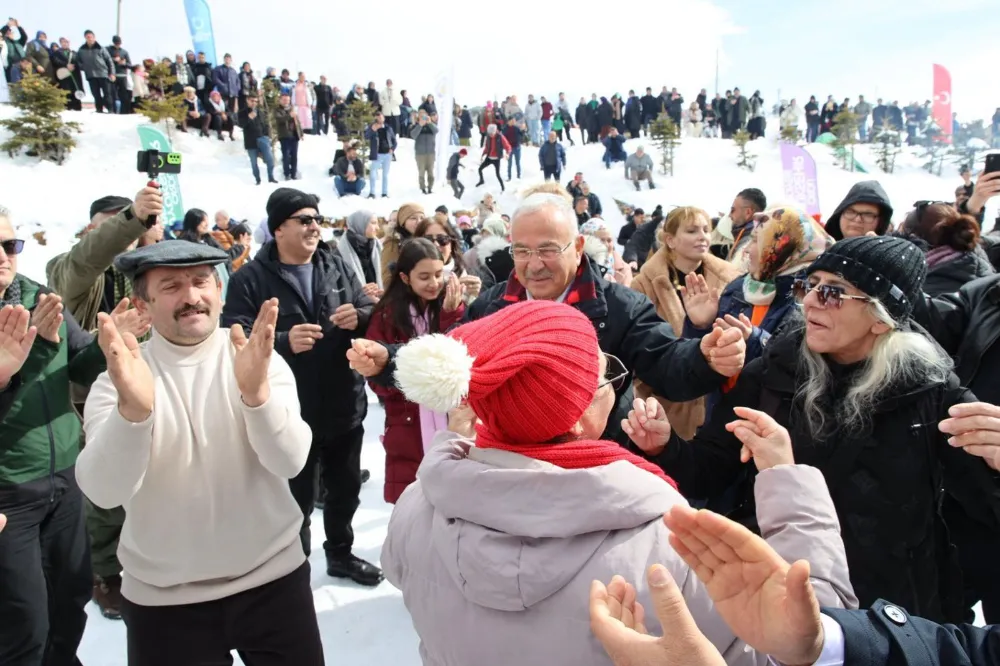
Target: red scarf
x,y
582,454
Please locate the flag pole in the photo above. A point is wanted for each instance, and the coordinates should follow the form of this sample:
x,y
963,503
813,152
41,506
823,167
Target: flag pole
x,y
118,20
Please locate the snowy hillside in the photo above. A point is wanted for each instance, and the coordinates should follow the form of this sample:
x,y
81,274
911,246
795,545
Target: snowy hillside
x,y
359,625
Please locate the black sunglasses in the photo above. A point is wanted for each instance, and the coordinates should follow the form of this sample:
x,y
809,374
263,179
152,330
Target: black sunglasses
x,y
828,294
443,240
12,246
306,220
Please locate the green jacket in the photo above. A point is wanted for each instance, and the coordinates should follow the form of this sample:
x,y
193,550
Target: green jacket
x,y
78,275
39,431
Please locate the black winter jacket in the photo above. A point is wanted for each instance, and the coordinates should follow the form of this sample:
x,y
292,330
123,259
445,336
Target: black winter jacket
x,y
332,395
641,243
950,276
885,481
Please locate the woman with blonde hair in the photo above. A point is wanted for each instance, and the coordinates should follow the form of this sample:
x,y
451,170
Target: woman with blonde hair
x,y
685,240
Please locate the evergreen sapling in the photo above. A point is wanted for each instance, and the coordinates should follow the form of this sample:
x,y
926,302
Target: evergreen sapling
x,y
39,129
666,136
845,132
747,160
888,146
358,115
163,105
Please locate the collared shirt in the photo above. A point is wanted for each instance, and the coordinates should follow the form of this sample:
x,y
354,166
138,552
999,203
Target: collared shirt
x,y
561,299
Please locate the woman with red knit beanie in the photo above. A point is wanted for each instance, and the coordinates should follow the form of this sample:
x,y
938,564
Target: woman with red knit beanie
x,y
496,544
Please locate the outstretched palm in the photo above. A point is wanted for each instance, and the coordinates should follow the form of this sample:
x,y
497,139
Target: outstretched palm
x,y
16,338
253,356
128,370
701,303
767,603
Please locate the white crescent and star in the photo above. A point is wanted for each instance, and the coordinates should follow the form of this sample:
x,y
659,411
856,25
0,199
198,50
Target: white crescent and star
x,y
944,97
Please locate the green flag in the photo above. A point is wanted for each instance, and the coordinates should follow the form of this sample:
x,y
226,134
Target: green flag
x,y
173,207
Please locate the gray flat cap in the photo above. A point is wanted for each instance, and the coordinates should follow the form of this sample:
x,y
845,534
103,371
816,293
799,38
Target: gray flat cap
x,y
176,253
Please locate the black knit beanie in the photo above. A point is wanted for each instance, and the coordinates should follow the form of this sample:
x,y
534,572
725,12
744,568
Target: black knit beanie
x,y
887,268
284,202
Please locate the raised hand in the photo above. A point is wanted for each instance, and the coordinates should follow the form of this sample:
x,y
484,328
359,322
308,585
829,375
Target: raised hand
x,y
367,358
975,427
617,619
452,294
768,604
253,356
725,351
129,320
700,302
763,439
16,338
647,425
47,317
129,372
345,317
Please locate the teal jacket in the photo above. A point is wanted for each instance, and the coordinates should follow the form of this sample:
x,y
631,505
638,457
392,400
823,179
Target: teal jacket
x,y
39,431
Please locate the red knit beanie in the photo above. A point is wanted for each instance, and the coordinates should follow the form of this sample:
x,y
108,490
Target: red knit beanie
x,y
529,371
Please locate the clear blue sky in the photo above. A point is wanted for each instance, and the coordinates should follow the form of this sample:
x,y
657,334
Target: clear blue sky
x,y
840,47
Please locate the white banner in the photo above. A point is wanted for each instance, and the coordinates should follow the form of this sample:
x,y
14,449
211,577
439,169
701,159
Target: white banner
x,y
444,99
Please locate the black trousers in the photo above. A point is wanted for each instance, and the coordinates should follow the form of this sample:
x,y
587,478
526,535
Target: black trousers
x,y
339,456
552,172
123,93
272,625
289,156
45,578
496,164
103,98
322,121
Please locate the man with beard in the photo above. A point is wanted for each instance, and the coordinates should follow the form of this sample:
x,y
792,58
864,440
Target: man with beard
x,y
322,305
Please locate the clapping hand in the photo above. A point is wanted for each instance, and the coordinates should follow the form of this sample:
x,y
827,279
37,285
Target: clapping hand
x,y
130,320
47,317
647,425
16,338
452,294
129,372
975,427
725,351
372,291
743,324
253,356
700,302
345,317
763,439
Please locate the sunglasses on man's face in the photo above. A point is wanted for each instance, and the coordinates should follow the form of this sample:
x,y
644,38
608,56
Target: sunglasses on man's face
x,y
306,220
442,240
12,246
829,295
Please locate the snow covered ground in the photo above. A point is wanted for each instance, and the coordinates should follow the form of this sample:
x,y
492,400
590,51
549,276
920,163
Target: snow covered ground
x,y
360,625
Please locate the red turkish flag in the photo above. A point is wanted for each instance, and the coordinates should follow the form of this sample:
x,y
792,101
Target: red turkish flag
x,y
942,101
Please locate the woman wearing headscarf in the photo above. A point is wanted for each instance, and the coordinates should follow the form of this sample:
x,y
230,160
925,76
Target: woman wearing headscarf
x,y
221,119
950,241
685,241
362,251
863,395
783,243
509,530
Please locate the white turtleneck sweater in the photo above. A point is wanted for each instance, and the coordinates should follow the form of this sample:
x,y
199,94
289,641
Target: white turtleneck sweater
x,y
204,479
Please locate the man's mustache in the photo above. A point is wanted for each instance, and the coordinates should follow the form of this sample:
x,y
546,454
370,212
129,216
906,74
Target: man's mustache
x,y
543,274
193,309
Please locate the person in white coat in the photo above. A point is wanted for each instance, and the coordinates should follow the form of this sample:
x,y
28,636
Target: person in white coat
x,y
519,506
391,101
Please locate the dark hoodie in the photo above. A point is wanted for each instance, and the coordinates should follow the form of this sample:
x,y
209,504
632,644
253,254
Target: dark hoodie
x,y
867,191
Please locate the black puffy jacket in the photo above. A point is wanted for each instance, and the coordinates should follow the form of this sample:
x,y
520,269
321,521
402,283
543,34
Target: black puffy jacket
x,y
885,481
332,395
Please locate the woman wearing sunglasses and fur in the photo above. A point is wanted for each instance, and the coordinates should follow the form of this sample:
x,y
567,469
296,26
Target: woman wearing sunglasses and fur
x,y
860,393
439,231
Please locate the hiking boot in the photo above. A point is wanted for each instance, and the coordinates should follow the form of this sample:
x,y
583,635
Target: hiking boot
x,y
108,595
355,568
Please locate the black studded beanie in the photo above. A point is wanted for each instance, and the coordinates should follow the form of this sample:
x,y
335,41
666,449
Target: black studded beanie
x,y
884,267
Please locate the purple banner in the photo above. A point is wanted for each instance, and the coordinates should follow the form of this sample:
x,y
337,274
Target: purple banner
x,y
800,177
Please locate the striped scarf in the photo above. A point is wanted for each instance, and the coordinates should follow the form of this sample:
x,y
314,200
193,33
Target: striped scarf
x,y
13,294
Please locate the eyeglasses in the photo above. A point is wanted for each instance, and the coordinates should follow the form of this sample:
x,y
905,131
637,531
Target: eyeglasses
x,y
828,294
867,217
306,220
545,253
12,246
442,240
615,373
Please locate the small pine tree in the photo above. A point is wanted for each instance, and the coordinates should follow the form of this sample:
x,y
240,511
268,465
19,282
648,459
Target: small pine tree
x,y
359,114
270,93
934,152
791,134
665,136
845,130
747,160
888,146
163,105
39,128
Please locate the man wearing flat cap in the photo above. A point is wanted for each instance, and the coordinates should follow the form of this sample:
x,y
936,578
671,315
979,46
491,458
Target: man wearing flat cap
x,y
89,284
196,434
322,306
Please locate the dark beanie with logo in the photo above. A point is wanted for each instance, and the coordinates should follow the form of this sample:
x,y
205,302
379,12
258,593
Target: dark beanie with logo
x,y
285,202
883,267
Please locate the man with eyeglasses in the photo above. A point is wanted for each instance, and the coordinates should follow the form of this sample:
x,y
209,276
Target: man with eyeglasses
x,y
322,306
864,211
45,575
550,264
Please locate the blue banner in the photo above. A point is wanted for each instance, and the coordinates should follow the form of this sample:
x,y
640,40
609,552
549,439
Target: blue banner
x,y
200,22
